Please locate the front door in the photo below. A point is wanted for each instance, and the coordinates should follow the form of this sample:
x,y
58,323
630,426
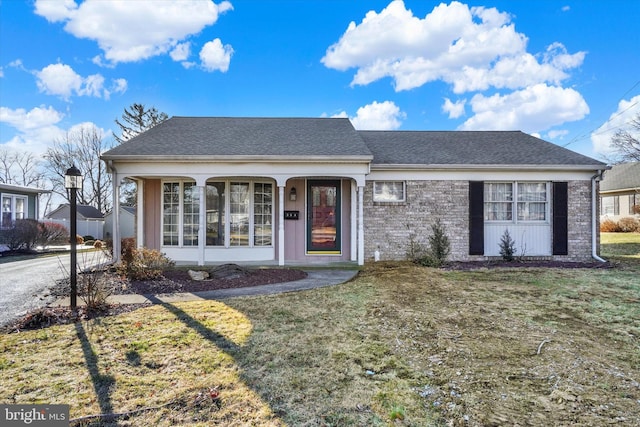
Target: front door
x,y
323,217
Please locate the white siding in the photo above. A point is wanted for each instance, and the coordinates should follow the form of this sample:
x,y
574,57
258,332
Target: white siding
x,y
530,239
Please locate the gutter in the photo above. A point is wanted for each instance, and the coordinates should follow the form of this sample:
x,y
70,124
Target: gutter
x,y
594,217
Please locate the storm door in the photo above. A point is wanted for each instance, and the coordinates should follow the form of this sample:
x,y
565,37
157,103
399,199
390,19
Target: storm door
x,y
323,217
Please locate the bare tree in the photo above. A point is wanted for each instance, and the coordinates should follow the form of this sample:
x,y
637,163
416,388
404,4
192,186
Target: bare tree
x,y
626,142
81,147
137,119
20,168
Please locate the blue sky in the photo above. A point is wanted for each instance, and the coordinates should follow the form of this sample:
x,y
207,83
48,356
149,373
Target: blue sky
x,y
567,71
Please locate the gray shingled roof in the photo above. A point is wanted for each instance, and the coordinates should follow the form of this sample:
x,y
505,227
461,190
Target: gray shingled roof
x,y
621,177
222,137
235,136
468,148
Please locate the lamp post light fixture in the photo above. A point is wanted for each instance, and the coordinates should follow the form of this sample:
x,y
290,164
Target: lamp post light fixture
x,y
73,182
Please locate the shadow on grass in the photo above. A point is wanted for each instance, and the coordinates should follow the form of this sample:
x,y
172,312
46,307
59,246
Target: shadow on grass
x,y
219,340
102,383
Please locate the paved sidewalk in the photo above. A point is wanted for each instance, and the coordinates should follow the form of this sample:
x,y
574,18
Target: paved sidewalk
x,y
315,279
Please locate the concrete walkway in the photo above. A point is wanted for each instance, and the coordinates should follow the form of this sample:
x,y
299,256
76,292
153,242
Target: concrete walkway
x,y
315,279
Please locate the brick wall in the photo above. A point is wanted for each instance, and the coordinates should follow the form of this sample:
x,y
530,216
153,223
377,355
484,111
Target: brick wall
x,y
389,227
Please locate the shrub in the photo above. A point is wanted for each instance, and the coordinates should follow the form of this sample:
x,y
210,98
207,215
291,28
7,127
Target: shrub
x,y
50,233
609,226
94,289
439,245
142,263
436,253
22,235
507,246
628,224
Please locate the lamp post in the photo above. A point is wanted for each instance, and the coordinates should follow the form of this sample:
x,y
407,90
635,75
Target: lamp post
x,y
72,182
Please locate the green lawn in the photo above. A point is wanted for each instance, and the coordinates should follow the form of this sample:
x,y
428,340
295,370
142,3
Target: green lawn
x,y
616,245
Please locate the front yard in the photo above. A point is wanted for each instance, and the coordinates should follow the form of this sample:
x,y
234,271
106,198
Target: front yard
x,y
399,345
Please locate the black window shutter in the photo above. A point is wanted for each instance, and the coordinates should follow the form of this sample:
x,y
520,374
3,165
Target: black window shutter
x,y
560,218
476,217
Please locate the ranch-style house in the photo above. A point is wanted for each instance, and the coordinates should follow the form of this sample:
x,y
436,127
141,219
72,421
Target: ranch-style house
x,y
301,191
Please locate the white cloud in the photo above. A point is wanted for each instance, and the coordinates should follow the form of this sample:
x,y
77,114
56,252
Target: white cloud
x,y
618,120
181,52
454,109
58,79
472,48
376,116
560,133
129,31
36,128
215,56
532,109
61,80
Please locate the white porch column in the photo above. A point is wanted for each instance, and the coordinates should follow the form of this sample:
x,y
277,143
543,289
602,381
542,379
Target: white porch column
x,y
280,225
139,231
202,224
117,244
360,225
354,222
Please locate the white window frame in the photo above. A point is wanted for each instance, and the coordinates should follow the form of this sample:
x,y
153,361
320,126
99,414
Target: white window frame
x,y
12,206
227,223
380,185
515,202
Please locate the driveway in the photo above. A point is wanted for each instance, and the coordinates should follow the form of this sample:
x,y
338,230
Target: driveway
x,y
24,285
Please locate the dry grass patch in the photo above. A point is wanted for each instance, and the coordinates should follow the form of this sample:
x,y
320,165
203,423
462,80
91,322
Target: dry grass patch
x,y
400,345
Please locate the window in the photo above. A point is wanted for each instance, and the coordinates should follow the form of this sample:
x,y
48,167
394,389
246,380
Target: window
x,y
13,208
237,213
498,204
388,191
528,199
190,214
610,205
216,213
532,201
171,213
262,202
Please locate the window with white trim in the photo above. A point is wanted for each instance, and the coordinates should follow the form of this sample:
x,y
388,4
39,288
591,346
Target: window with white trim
x,y
528,200
14,207
389,191
238,213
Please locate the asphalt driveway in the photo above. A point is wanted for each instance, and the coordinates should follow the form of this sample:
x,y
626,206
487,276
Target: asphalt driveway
x,y
24,285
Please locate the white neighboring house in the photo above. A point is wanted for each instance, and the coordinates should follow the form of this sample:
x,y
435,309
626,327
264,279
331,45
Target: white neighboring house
x,y
620,192
90,221
127,223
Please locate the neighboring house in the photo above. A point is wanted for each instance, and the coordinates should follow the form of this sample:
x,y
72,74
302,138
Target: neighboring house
x,y
305,191
620,191
19,202
127,223
90,221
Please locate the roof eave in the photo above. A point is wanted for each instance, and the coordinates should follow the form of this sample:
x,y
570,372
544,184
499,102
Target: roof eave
x,y
594,167
238,158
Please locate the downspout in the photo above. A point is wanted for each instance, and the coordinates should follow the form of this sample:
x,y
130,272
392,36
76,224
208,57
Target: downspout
x,y
594,217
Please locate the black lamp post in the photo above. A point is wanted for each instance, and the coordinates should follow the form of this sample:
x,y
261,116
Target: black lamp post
x,y
72,182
